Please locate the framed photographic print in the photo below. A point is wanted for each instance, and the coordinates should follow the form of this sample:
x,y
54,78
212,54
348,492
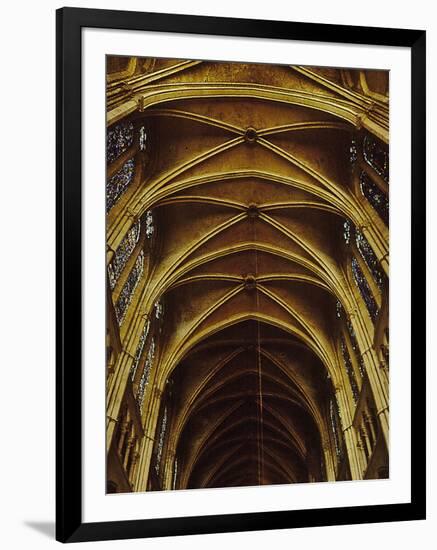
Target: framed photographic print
x,y
241,256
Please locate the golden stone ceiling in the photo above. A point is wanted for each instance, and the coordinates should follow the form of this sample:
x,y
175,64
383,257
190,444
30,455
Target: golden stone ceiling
x,y
249,180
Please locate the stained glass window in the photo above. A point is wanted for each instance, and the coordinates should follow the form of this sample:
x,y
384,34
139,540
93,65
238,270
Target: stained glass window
x,y
334,417
129,287
158,309
364,289
349,369
376,156
352,337
161,441
140,348
143,138
355,347
118,139
118,183
377,198
123,252
150,226
353,153
144,380
347,230
369,257
351,232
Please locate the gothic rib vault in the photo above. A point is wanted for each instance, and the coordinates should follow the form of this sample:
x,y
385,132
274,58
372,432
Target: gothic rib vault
x,y
247,249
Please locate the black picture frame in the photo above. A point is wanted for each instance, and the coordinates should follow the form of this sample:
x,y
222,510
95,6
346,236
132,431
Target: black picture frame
x,y
69,525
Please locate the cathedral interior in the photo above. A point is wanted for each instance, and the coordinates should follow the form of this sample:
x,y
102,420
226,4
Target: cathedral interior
x,y
247,274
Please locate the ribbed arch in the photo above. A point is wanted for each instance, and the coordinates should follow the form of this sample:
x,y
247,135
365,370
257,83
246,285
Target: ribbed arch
x,y
200,398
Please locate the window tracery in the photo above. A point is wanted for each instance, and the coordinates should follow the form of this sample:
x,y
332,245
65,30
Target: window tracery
x,y
354,344
350,232
347,231
143,138
158,310
160,446
352,337
155,325
118,140
376,156
140,348
150,225
363,287
123,253
334,416
118,183
369,257
145,376
349,369
129,288
377,198
353,152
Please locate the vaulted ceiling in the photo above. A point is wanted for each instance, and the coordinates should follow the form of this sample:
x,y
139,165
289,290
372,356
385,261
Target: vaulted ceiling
x,y
248,176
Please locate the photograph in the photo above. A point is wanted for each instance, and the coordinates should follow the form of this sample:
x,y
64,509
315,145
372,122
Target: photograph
x,y
219,339
247,274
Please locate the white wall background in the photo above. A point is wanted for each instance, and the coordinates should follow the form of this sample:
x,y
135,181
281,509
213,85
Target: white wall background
x,y
27,229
